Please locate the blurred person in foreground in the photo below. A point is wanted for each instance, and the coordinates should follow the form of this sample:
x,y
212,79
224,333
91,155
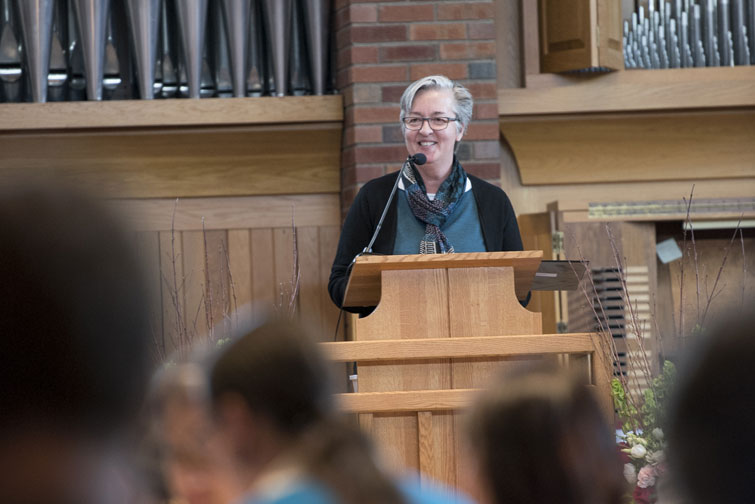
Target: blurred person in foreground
x,y
181,456
711,442
275,414
74,357
539,437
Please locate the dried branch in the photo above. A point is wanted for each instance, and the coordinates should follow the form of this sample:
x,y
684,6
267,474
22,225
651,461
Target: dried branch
x,y
607,344
288,294
643,364
232,307
720,271
680,334
208,289
182,340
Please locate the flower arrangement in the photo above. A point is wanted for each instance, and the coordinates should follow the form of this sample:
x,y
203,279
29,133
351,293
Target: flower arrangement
x,y
641,437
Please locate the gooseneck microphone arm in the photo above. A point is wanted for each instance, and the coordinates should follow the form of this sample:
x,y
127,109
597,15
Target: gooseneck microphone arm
x,y
417,159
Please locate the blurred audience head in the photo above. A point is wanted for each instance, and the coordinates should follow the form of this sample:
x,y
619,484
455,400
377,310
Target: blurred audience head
x,y
711,440
274,411
73,339
539,437
184,461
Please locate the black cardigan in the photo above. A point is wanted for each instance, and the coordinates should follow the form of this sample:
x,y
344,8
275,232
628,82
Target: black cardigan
x,y
500,230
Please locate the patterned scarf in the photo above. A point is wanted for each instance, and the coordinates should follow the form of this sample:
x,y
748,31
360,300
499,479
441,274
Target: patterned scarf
x,y
434,213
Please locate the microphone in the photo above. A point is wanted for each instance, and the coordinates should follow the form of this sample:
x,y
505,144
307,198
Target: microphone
x,y
416,159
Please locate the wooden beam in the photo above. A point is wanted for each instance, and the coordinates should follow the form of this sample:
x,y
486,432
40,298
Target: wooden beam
x,y
170,113
251,212
632,90
194,162
633,147
435,348
412,401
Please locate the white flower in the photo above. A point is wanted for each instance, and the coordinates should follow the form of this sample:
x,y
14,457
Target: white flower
x,y
646,477
638,451
630,473
658,433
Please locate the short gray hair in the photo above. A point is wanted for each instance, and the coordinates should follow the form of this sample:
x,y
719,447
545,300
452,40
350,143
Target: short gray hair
x,y
462,97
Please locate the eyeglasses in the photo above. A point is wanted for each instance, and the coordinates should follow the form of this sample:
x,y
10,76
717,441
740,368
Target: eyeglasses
x,y
436,123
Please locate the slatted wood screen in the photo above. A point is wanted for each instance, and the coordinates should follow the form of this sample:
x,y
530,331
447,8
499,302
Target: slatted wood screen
x,y
208,257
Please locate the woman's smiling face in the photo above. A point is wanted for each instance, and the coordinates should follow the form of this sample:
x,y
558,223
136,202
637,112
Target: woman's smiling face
x,y
438,146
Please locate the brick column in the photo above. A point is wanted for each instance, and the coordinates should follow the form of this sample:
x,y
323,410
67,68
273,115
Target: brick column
x,y
383,46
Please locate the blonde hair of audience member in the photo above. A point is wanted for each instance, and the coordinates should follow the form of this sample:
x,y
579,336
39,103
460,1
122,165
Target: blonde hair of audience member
x,y
190,467
540,437
711,442
274,407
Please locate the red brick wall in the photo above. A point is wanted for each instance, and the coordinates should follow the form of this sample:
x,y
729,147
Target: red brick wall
x,y
383,46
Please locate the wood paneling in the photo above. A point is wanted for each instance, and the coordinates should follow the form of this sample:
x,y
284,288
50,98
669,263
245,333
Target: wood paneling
x,y
600,148
609,35
263,267
689,282
419,400
261,212
180,162
472,346
423,427
635,90
579,34
537,234
205,279
365,280
166,113
567,35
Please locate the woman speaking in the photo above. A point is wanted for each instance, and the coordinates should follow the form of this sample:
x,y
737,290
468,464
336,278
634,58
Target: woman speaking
x,y
438,208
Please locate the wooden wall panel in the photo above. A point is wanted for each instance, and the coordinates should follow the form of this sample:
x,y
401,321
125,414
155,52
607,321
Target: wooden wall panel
x,y
612,148
610,34
328,242
283,261
204,280
232,212
223,161
196,317
148,249
537,234
567,35
734,292
240,269
309,267
263,259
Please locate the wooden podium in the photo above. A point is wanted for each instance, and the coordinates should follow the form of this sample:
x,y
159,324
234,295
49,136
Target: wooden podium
x,y
444,326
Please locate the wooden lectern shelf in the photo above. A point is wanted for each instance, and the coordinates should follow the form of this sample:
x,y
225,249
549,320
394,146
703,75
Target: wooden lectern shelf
x,y
363,288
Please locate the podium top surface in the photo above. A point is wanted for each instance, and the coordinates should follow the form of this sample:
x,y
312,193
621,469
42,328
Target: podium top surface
x,y
363,288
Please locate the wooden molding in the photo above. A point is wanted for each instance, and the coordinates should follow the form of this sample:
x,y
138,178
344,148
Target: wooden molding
x,y
364,287
631,91
436,348
170,113
179,148
421,400
633,147
250,212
